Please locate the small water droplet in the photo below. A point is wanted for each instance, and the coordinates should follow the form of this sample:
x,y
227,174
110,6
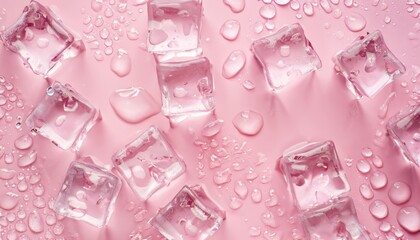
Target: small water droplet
x,y
222,177
308,9
256,195
325,5
96,5
234,64
378,209
367,152
399,193
294,5
366,191
235,203
241,189
254,231
363,166
268,11
258,27
378,180
236,6
355,22
230,29
212,128
121,63
248,122
377,161
269,220
35,222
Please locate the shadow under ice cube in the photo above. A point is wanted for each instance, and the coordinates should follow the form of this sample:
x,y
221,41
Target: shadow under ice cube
x,y
314,174
148,163
334,221
41,39
191,215
63,116
88,194
174,25
404,130
286,56
368,65
186,87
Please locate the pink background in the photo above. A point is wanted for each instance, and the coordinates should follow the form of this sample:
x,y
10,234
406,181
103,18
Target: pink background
x,y
315,109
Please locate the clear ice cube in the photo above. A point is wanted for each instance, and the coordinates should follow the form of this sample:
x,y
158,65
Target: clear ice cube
x,y
186,87
148,163
41,39
191,215
174,25
334,221
63,116
404,130
88,194
314,174
368,65
286,56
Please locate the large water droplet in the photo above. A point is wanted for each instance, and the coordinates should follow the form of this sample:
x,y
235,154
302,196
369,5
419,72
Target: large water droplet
x,y
23,142
378,180
366,191
121,63
234,64
230,29
134,104
241,189
355,22
8,201
268,11
399,193
235,5
363,166
35,222
6,174
409,219
27,159
378,209
248,122
308,9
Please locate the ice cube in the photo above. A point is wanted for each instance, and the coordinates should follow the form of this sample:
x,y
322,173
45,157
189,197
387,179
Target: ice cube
x,y
63,116
41,39
191,215
148,163
286,56
368,65
174,25
186,87
337,220
404,130
88,194
314,174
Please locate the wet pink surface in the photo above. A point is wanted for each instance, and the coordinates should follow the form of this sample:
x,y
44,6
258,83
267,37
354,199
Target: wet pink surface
x,y
317,108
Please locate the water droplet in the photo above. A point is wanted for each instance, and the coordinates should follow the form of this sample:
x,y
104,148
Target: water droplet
x,y
363,166
133,33
385,226
378,209
378,180
348,3
248,122
96,5
377,161
234,64
366,191
20,226
235,203
35,222
8,201
9,158
6,174
355,22
409,219
248,85
282,2
39,202
269,220
387,19
212,128
134,104
58,229
27,159
294,5
367,152
256,195
104,33
121,63
22,186
230,29
268,11
308,9
273,199
383,109
222,177
50,219
325,5
241,189
138,2
399,193
235,5
34,178
23,142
